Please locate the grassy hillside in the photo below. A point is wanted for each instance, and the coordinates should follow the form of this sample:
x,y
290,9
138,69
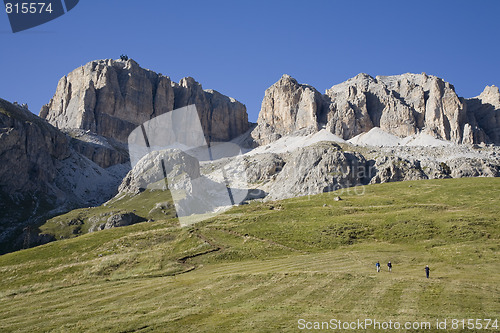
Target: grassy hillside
x,y
262,267
149,205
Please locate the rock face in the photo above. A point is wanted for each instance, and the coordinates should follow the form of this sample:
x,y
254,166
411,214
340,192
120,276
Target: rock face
x,y
41,175
148,171
33,146
402,105
112,97
288,106
275,174
323,167
105,152
484,112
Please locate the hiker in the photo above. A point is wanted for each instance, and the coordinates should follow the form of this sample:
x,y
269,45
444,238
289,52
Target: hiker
x,y
427,269
378,266
389,266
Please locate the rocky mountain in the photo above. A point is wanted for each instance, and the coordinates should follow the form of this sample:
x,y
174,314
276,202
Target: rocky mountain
x,y
112,97
402,105
42,174
363,131
75,154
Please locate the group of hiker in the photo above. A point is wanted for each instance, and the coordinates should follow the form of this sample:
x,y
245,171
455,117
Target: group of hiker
x,y
389,267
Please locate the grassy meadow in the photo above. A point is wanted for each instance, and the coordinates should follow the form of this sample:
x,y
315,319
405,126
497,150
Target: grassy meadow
x,y
263,266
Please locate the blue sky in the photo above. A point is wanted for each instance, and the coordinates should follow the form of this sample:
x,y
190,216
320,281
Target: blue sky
x,y
240,48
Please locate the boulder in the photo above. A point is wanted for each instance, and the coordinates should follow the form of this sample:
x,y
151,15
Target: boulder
x,y
122,219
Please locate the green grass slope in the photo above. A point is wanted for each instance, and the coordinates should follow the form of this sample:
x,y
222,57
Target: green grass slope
x,y
149,205
263,266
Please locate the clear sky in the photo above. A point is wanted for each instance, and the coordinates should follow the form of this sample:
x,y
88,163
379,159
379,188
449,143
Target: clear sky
x,y
240,48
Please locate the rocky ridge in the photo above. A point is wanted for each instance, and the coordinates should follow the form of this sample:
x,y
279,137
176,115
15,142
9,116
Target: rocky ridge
x,y
42,174
402,105
112,97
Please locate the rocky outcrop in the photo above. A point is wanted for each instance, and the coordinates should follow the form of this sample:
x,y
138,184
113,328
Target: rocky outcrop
x,y
151,170
328,166
42,175
114,221
392,168
262,167
473,167
323,167
402,105
112,97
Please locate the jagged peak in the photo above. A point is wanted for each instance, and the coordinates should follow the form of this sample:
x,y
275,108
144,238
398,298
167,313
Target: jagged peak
x,y
189,81
132,96
363,76
490,95
491,90
117,64
285,79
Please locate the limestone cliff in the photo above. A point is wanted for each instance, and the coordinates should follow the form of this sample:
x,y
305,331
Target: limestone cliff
x,y
287,107
41,174
112,97
402,105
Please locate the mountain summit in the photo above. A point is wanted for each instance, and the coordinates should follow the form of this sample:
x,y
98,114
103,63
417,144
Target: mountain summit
x,y
112,97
